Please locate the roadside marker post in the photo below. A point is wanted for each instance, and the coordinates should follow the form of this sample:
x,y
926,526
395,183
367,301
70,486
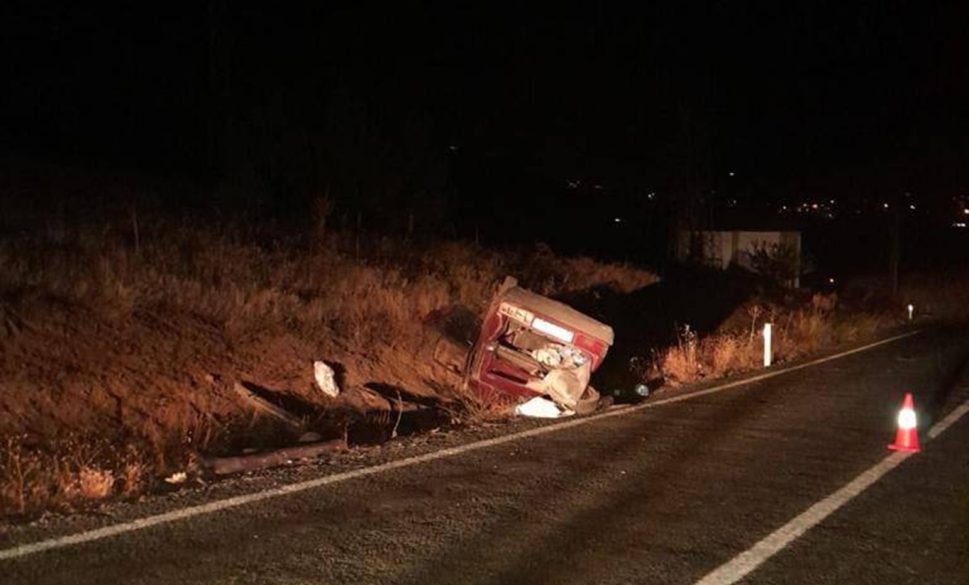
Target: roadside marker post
x,y
767,343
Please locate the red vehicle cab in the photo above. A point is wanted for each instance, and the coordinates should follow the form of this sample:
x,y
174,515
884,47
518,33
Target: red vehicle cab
x,y
530,345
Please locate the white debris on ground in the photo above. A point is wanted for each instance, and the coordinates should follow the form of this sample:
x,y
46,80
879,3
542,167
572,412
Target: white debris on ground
x,y
325,379
539,407
177,478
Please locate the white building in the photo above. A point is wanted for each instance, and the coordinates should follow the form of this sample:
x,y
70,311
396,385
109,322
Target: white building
x,y
721,249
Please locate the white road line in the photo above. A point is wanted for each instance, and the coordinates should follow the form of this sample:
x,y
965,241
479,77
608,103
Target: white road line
x,y
746,562
940,427
234,502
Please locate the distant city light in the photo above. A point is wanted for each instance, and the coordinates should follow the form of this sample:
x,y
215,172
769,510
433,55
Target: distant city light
x,y
959,224
912,207
830,281
965,211
885,205
617,220
731,173
651,195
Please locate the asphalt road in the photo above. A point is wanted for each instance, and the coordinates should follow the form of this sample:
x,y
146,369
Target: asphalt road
x,y
660,495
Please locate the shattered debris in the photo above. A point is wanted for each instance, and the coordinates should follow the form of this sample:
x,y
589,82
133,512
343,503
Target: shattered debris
x,y
177,478
555,355
565,386
539,407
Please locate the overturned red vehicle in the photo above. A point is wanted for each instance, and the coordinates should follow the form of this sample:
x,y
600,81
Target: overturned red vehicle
x,y
529,345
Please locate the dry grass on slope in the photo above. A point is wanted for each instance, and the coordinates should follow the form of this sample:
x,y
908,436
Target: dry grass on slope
x,y
738,346
137,343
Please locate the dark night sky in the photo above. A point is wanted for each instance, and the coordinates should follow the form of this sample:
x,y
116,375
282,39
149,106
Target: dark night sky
x,y
834,96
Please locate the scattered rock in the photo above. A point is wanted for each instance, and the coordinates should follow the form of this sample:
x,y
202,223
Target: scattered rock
x,y
325,379
310,437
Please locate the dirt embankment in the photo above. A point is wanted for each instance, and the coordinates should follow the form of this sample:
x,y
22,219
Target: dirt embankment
x,y
119,357
165,375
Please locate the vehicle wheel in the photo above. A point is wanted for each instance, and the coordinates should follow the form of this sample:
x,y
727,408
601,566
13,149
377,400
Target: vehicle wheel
x,y
588,402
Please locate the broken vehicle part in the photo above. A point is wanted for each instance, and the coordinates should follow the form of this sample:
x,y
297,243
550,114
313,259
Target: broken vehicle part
x,y
529,345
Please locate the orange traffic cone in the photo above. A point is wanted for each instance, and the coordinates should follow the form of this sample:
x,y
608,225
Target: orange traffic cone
x,y
907,437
